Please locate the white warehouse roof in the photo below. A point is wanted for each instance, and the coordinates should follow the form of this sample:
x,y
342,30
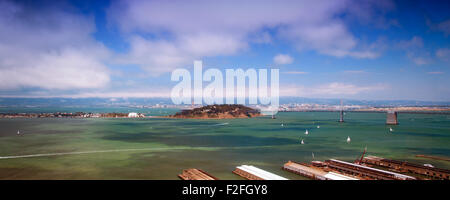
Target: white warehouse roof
x,y
260,173
336,176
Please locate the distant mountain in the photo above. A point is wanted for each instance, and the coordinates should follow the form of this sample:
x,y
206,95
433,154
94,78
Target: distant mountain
x,y
118,102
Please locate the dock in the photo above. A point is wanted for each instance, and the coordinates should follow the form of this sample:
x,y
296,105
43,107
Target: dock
x,y
364,171
196,174
313,172
403,166
253,173
340,170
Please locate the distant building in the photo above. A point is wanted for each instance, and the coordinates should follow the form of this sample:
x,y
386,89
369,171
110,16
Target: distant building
x,y
133,115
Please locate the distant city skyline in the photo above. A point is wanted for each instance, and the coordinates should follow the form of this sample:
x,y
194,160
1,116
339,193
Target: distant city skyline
x,y
345,49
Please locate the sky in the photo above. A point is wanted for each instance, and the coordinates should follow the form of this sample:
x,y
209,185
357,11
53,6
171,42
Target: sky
x,y
353,49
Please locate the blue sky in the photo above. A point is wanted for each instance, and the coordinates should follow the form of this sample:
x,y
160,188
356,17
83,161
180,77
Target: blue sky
x,y
373,49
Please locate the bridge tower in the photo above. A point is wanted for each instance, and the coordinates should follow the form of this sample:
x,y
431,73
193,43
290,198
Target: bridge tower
x,y
391,118
341,113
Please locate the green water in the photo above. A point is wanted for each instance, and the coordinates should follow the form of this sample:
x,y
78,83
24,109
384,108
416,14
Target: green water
x,y
163,147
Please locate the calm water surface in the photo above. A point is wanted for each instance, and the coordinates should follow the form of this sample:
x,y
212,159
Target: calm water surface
x,y
157,148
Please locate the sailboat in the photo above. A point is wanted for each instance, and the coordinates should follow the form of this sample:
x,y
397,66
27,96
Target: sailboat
x,y
18,132
302,142
318,126
282,125
390,129
348,139
306,132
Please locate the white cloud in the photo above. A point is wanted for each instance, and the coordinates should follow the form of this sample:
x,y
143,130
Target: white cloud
x,y
282,59
443,54
66,69
415,42
415,51
159,56
196,29
49,49
294,72
443,26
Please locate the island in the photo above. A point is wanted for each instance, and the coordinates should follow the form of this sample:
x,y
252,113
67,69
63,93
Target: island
x,y
224,111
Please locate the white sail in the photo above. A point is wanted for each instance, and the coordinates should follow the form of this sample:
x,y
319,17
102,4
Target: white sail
x,y
390,129
306,132
348,139
302,142
318,126
18,132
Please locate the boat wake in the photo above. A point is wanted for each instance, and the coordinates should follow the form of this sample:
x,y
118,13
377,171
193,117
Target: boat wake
x,y
221,124
85,152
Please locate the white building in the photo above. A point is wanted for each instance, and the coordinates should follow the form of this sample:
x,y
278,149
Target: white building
x,y
133,114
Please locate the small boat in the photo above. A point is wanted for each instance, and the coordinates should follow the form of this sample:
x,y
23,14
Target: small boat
x,y
282,125
306,132
18,132
348,139
390,129
302,142
318,126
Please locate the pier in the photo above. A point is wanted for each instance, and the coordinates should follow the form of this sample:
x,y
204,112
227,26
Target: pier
x,y
196,174
340,170
403,166
313,172
364,171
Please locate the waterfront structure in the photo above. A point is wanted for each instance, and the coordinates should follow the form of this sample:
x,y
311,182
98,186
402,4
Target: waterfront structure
x,y
407,167
196,174
391,118
314,172
364,171
253,173
132,115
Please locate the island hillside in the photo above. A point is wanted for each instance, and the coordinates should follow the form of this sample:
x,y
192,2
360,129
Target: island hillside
x,y
218,112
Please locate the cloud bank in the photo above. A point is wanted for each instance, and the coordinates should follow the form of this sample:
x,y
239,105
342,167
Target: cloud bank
x,y
49,48
282,59
196,29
